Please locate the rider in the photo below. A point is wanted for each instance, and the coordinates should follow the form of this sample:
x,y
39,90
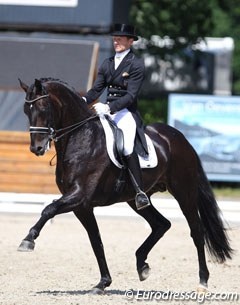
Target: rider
x,y
123,75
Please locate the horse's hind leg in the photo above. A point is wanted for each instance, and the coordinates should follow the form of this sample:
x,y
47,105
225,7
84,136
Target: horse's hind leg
x,y
159,225
188,204
197,235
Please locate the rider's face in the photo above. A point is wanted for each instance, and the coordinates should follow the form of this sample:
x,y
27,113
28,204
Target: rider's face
x,y
122,43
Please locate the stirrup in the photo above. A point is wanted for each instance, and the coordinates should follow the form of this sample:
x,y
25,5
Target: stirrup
x,y
141,200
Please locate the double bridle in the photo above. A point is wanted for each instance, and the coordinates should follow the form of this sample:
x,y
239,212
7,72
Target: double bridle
x,y
52,132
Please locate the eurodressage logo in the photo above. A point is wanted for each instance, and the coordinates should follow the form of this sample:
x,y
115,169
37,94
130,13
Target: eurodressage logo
x,y
199,297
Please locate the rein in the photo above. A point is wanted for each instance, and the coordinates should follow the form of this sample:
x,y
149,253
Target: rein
x,y
52,133
68,129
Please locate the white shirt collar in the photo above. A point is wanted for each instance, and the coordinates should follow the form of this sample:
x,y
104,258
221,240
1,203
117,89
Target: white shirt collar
x,y
121,55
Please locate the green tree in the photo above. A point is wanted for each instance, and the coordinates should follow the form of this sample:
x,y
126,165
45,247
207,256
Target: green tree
x,y
177,19
185,22
226,23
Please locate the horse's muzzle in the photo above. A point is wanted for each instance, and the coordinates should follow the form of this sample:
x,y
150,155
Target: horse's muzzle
x,y
40,150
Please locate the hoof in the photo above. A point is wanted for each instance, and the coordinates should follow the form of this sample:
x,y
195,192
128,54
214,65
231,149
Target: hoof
x,y
26,246
202,288
144,272
97,291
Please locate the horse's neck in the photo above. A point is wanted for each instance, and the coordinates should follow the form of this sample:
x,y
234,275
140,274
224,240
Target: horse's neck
x,y
81,142
74,114
73,108
74,111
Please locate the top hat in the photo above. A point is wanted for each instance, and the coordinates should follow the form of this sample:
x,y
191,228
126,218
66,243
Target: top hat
x,y
124,30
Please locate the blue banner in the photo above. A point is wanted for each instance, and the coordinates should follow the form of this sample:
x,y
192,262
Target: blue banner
x,y
212,125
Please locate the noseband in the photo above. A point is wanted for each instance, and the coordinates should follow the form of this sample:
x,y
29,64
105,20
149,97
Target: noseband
x,y
52,133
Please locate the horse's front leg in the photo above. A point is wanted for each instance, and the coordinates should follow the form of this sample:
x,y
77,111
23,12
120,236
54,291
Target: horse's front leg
x,y
89,222
62,205
28,243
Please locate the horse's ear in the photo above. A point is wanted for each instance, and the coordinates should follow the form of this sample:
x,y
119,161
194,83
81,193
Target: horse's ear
x,y
23,85
38,85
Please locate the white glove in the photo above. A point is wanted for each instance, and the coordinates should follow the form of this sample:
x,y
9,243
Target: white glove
x,y
101,109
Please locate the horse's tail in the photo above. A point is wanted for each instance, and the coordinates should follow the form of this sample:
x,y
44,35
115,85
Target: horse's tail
x,y
215,234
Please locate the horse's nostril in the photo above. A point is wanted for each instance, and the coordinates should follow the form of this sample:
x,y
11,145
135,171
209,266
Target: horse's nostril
x,y
39,148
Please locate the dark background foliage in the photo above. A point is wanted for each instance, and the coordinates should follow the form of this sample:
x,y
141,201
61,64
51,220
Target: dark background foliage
x,y
186,23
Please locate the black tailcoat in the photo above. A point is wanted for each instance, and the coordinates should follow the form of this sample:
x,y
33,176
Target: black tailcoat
x,y
123,85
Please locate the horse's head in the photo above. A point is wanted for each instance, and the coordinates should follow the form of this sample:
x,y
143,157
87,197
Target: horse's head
x,y
54,110
37,107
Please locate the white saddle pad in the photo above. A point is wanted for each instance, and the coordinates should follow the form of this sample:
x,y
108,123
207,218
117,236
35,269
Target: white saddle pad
x,y
149,162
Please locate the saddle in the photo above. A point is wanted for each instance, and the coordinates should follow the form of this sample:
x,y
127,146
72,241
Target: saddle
x,y
115,145
118,141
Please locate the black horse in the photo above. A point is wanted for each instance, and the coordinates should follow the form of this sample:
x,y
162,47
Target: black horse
x,y
87,178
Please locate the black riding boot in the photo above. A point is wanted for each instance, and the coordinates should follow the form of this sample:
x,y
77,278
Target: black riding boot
x,y
133,165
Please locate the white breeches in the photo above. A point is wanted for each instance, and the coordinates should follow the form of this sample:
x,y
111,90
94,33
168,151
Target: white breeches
x,y
127,124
